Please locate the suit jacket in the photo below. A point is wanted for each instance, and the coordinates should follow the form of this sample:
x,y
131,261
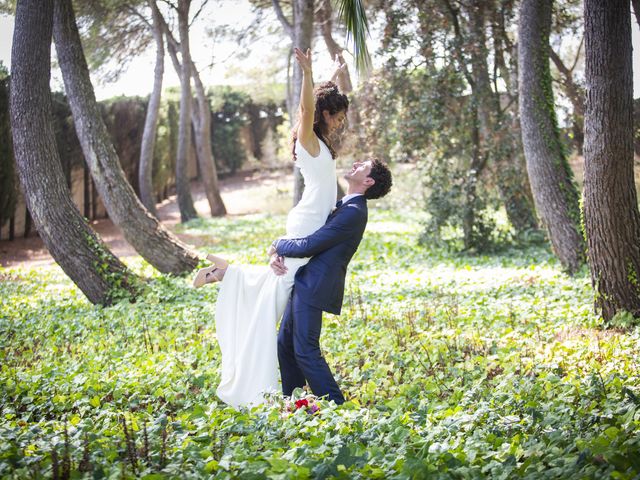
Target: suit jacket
x,y
320,283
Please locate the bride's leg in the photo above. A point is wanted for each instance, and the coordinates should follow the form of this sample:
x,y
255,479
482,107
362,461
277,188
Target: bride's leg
x,y
292,264
214,273
220,263
246,332
285,283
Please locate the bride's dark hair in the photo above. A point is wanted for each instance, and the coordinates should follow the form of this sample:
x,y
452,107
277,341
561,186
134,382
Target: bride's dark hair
x,y
329,98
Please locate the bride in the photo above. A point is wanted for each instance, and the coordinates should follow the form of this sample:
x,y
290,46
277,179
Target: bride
x,y
252,299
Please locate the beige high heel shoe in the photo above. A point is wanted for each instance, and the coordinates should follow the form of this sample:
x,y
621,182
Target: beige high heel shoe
x,y
214,273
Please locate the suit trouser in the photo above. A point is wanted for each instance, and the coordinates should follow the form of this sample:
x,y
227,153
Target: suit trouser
x,y
299,352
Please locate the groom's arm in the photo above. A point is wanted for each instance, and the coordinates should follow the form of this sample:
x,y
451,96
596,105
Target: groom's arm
x,y
339,228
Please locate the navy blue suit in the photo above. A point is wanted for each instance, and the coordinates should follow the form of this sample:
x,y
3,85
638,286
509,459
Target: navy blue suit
x,y
318,287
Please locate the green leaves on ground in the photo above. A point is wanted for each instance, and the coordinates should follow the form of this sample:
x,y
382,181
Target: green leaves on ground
x,y
455,367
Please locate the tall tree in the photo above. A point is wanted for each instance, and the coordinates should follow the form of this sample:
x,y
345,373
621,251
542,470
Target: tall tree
x,y
554,191
575,93
8,187
300,31
118,25
71,242
510,166
299,28
612,220
495,147
201,117
141,229
185,200
324,19
145,169
202,127
636,10
444,103
475,46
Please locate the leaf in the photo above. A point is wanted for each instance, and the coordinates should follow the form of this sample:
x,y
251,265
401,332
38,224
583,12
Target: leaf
x,y
354,18
211,466
612,432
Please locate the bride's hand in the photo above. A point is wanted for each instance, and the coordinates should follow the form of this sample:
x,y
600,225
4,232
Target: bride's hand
x,y
304,60
271,250
277,265
338,68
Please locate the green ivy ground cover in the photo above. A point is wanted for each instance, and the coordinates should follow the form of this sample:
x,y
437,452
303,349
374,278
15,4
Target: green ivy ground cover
x,y
455,367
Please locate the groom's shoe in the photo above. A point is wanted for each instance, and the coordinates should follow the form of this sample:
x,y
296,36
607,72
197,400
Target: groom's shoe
x,y
214,273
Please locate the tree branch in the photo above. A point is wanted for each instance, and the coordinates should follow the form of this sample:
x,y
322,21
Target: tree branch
x,y
204,3
575,62
557,61
353,15
323,14
133,11
171,4
572,90
283,20
501,44
172,44
459,40
636,10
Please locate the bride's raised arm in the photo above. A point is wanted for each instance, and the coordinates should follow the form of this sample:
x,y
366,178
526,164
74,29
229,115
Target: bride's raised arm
x,y
305,133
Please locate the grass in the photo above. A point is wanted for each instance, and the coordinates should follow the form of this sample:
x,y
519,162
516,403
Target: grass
x,y
454,367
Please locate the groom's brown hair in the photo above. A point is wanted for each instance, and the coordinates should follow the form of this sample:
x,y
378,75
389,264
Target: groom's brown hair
x,y
382,176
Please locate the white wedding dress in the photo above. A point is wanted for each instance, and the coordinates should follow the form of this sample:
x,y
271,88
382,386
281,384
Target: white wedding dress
x,y
252,299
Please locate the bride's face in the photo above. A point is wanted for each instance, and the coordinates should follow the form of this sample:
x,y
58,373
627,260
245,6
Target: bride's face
x,y
335,121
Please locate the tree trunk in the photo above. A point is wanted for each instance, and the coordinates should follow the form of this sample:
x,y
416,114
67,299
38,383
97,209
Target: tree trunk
x,y
495,139
201,118
478,159
325,21
513,183
302,35
575,94
202,127
554,191
612,220
71,242
481,87
145,173
8,180
516,194
478,162
636,10
300,32
185,201
141,229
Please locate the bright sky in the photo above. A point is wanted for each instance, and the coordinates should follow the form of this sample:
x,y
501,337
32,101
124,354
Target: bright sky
x,y
220,62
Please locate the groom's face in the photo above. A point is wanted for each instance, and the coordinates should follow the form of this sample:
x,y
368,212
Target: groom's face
x,y
359,172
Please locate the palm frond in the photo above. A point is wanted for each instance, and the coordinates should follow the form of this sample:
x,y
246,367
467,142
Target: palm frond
x,y
354,18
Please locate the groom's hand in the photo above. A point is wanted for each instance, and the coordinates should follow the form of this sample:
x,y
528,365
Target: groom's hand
x,y
277,265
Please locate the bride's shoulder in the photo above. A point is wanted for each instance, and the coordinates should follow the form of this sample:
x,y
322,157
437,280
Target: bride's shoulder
x,y
306,148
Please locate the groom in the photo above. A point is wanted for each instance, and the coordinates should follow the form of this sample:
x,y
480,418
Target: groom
x,y
319,285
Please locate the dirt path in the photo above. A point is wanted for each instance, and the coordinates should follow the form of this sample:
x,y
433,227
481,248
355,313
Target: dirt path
x,y
244,193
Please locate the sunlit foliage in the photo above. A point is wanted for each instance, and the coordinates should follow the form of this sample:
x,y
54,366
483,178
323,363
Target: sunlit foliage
x,y
457,366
